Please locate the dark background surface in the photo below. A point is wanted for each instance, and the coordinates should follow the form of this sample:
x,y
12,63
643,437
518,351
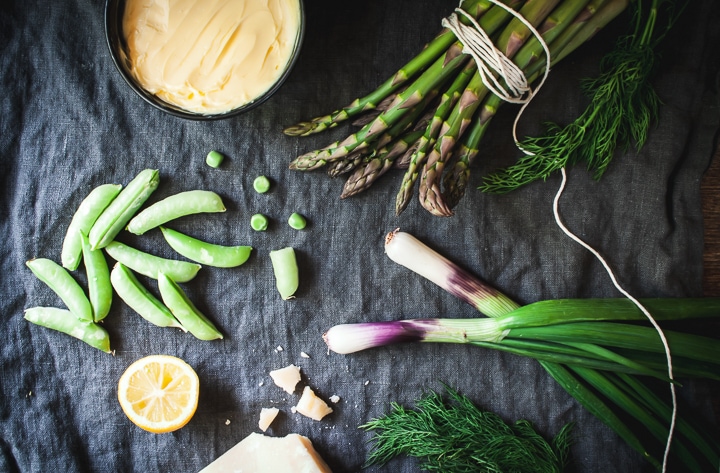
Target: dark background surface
x,y
69,123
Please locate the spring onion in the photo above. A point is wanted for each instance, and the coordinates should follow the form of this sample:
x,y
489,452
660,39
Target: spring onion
x,y
599,350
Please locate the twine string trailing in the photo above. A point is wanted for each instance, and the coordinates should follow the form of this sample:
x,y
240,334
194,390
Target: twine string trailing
x,y
495,69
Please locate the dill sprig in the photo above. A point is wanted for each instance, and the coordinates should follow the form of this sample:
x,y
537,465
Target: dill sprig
x,y
455,436
623,104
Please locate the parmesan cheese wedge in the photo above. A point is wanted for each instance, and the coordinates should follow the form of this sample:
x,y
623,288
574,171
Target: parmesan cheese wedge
x,y
258,453
312,406
267,415
286,378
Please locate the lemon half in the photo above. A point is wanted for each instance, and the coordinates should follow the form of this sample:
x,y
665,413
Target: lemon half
x,y
159,393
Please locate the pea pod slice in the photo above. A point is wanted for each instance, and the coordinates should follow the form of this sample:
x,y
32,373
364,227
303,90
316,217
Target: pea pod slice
x,y
175,206
151,265
82,221
98,278
285,269
185,311
62,283
140,299
66,322
206,253
123,208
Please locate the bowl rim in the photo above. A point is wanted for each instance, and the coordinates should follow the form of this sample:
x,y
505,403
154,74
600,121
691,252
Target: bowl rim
x,y
116,42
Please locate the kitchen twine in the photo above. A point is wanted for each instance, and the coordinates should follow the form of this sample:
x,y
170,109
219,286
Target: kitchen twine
x,y
491,61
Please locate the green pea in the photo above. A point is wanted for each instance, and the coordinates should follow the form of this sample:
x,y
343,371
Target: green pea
x,y
214,159
151,265
259,222
114,218
204,252
285,269
175,206
62,283
261,184
82,221
185,311
140,299
66,322
297,221
98,278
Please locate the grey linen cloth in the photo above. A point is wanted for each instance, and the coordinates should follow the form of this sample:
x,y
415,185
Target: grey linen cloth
x,y
69,123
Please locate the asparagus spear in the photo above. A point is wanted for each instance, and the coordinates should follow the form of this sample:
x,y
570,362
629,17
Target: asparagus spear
x,y
447,102
379,164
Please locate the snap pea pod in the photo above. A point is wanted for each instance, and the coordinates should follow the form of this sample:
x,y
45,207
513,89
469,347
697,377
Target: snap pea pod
x,y
66,322
175,206
82,221
285,269
114,218
100,290
140,299
151,265
206,253
185,311
62,283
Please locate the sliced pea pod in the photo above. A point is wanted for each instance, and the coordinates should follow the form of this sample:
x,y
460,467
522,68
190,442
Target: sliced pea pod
x,y
82,221
285,269
64,285
175,206
185,311
100,290
123,208
66,322
151,265
140,299
206,253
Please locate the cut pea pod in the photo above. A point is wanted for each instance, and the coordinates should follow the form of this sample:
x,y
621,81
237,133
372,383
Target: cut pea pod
x,y
62,283
206,253
66,322
100,290
82,221
114,218
175,206
185,311
285,269
140,299
151,265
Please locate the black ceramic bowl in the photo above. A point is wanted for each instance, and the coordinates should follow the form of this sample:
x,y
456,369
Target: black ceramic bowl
x,y
116,42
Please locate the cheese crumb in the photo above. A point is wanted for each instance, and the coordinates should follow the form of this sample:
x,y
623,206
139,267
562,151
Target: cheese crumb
x,y
312,406
267,416
304,355
286,378
334,398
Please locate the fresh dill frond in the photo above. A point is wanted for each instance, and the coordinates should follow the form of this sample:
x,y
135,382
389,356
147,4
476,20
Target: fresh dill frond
x,y
454,436
623,105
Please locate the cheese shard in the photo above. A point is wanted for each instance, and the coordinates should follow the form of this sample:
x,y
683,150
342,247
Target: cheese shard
x,y
267,415
258,453
312,406
287,378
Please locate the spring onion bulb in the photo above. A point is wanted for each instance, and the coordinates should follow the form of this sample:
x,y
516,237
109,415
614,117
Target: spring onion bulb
x,y
406,250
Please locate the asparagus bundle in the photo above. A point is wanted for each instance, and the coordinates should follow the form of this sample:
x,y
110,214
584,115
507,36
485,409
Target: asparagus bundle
x,y
444,83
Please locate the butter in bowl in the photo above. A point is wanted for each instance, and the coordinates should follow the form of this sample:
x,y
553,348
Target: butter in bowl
x,y
204,59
